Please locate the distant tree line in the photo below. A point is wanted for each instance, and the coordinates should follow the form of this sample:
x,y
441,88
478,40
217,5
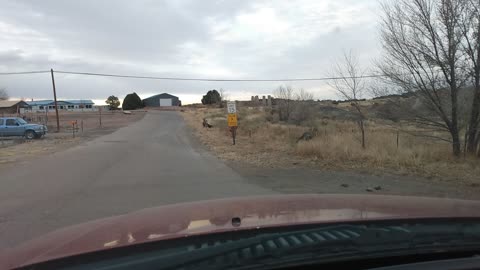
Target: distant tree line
x,y
130,102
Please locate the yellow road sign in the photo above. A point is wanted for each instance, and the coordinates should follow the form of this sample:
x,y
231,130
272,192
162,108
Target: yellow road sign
x,y
232,120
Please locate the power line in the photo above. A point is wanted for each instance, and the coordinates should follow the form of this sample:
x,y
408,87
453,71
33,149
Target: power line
x,y
215,80
24,72
191,79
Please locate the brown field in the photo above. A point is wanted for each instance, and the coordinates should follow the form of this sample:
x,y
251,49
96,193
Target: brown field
x,y
16,148
336,146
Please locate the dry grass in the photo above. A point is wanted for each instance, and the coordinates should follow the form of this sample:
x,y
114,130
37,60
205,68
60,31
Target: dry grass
x,y
34,148
412,155
336,146
255,144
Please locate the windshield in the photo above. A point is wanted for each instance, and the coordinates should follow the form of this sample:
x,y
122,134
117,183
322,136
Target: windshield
x,y
135,105
21,121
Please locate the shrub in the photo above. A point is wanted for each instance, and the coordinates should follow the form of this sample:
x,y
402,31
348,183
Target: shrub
x,y
212,97
132,102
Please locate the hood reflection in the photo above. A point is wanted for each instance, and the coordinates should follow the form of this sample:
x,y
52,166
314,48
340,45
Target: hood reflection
x,y
174,221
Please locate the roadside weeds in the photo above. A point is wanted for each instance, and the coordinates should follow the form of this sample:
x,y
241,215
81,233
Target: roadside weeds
x,y
335,148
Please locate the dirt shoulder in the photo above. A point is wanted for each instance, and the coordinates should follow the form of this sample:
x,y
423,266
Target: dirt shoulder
x,y
264,162
16,149
307,180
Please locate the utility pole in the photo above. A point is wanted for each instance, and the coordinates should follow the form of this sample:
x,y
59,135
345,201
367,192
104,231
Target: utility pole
x,y
46,115
55,99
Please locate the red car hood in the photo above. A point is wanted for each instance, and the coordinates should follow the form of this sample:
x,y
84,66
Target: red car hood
x,y
205,217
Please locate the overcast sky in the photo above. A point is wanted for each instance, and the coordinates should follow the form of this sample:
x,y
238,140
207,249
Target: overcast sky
x,y
181,38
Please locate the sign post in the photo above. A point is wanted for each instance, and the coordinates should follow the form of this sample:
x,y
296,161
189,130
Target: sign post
x,y
232,119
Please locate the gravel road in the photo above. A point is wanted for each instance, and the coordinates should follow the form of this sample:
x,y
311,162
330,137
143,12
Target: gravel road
x,y
149,163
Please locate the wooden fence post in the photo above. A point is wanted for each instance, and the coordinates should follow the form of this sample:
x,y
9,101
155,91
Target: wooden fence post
x,y
100,113
397,138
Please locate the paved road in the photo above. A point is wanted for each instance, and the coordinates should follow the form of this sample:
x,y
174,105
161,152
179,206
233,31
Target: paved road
x,y
149,163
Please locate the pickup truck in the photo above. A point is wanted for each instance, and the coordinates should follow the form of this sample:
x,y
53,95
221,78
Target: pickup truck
x,y
15,126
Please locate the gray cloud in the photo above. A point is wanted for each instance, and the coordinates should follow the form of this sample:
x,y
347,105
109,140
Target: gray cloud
x,y
188,38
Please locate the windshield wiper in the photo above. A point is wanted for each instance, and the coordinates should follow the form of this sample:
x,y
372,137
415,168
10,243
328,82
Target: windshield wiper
x,y
332,242
338,241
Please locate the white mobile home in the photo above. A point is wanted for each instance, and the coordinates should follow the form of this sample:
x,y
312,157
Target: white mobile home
x,y
64,105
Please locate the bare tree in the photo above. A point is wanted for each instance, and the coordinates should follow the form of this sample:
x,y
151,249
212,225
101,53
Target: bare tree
x,y
223,94
303,108
350,85
3,94
284,96
223,98
422,55
470,28
303,95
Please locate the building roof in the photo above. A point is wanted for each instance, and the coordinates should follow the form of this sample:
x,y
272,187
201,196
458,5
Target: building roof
x,y
79,101
39,102
10,103
66,101
163,95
